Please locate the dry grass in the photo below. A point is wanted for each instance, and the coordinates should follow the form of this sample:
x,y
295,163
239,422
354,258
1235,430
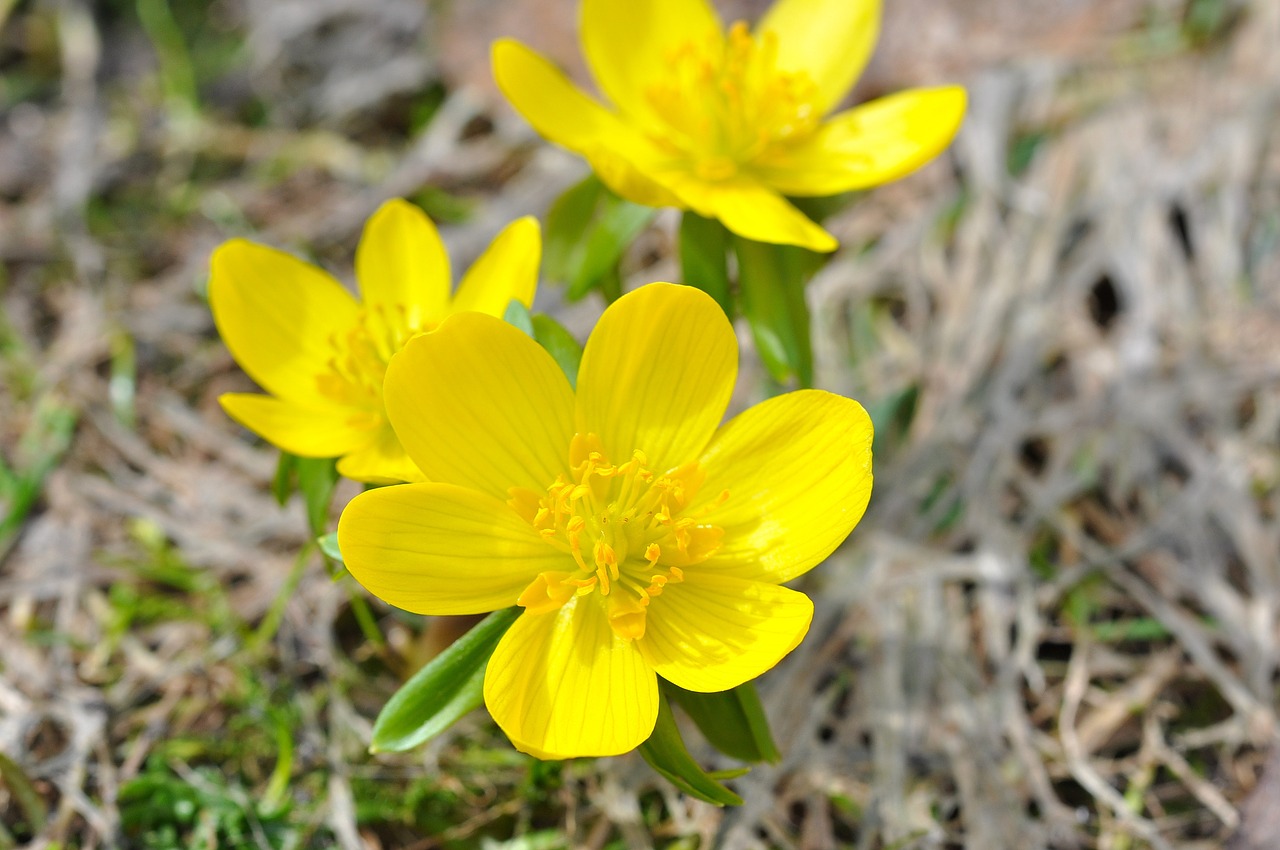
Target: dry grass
x,y
1056,628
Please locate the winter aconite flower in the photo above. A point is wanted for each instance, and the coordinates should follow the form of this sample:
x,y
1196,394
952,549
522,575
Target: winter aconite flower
x,y
727,123
321,354
640,536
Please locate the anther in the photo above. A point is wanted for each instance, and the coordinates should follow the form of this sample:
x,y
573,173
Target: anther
x,y
604,555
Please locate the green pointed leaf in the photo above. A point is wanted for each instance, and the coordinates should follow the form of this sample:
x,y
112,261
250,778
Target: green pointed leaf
x,y
282,484
616,226
771,281
517,314
733,721
666,753
823,207
704,246
328,544
316,479
560,344
610,283
37,454
567,220
892,416
23,792
588,230
450,686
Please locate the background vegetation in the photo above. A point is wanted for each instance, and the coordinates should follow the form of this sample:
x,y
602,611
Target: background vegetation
x,y
1056,628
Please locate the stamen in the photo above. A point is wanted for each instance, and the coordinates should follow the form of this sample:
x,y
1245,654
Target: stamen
x,y
354,373
727,104
545,593
652,553
623,528
605,557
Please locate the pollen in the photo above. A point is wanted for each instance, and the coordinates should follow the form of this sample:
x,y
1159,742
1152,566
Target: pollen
x,y
627,531
724,103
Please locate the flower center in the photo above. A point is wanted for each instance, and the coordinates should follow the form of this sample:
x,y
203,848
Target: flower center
x,y
359,357
726,105
624,528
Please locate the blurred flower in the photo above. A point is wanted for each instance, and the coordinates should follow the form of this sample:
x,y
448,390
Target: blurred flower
x,y
725,124
322,354
640,536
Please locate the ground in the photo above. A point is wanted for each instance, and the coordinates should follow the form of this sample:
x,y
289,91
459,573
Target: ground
x,y
1055,628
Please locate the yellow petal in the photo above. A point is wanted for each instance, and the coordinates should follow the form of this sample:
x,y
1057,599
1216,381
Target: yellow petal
x,y
755,211
629,45
870,144
563,684
381,460
714,632
440,549
298,429
506,271
798,471
830,40
549,100
402,266
623,159
478,403
277,315
657,374
627,180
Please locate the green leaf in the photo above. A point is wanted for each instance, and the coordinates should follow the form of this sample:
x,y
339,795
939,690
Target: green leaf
x,y
328,544
588,230
567,219
177,74
610,283
443,207
892,416
316,479
447,688
733,721
617,225
771,281
23,792
517,314
666,753
282,484
39,451
704,246
823,207
560,344
123,387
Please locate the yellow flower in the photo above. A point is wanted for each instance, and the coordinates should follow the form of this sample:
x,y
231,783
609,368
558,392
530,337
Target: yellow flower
x,y
640,536
725,124
321,354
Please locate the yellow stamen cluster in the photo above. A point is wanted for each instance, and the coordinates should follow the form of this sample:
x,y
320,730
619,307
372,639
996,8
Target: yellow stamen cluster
x,y
621,525
358,362
727,103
